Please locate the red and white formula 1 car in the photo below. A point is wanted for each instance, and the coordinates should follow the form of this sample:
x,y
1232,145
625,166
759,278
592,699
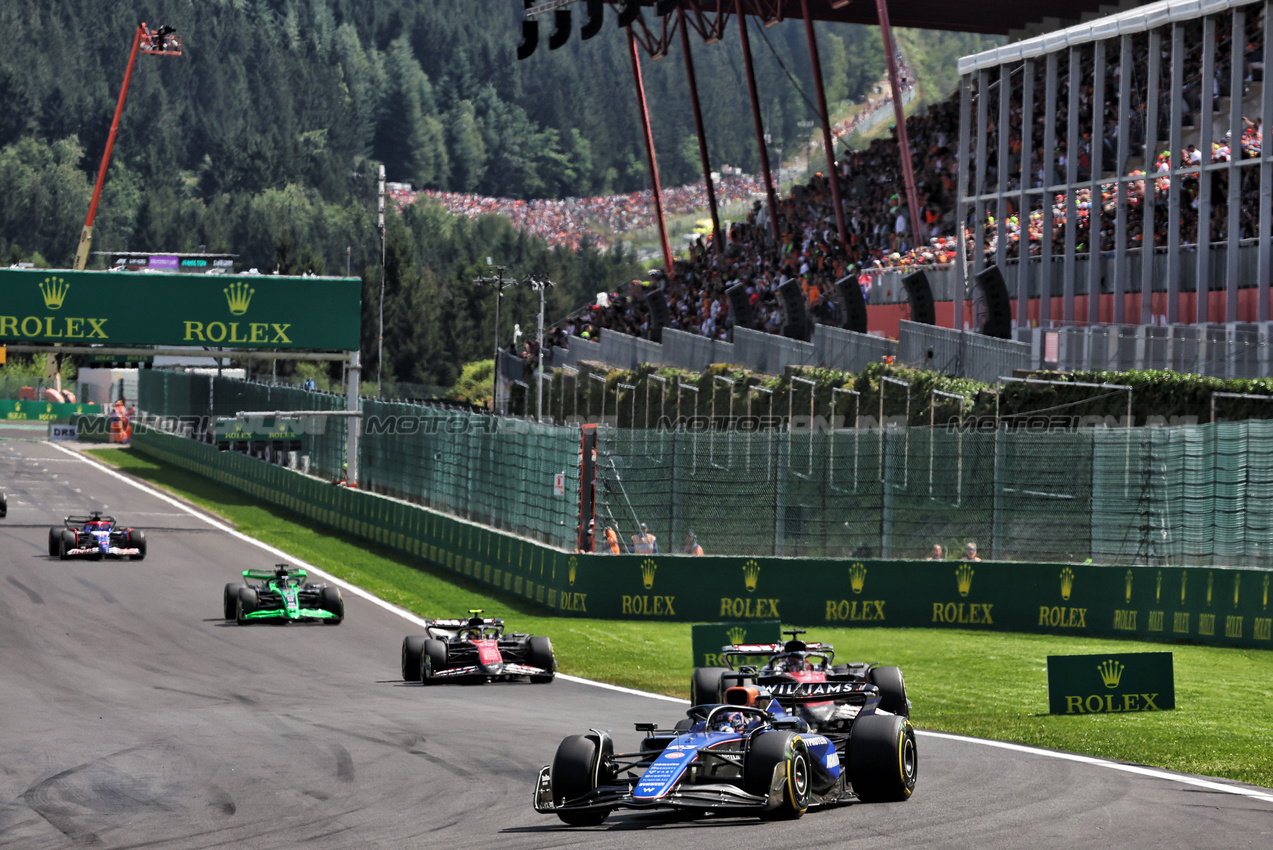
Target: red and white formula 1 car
x,y
475,649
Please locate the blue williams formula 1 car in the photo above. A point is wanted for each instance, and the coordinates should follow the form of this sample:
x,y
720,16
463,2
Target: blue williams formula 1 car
x,y
282,596
736,758
476,650
96,536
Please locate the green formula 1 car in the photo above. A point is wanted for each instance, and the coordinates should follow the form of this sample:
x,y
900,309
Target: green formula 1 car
x,y
282,596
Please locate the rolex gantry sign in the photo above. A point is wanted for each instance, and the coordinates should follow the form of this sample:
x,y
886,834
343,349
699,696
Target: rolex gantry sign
x,y
225,311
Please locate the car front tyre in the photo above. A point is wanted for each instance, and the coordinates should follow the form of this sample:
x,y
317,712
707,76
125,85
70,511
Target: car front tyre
x,y
786,752
539,653
432,661
333,603
892,689
883,759
230,599
574,773
137,538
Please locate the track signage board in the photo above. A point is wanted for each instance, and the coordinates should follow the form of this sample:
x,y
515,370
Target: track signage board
x,y
227,311
708,638
44,411
1111,683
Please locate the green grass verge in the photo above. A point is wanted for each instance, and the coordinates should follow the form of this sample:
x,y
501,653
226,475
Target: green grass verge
x,y
973,683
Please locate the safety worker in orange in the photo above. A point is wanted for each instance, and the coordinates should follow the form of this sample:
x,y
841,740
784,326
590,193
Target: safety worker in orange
x,y
117,415
612,541
645,543
691,544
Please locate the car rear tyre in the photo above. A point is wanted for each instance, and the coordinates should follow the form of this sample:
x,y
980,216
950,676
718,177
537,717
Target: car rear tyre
x,y
412,656
575,772
706,685
4,506
248,601
883,759
787,752
137,538
539,653
230,599
892,689
333,603
432,661
55,540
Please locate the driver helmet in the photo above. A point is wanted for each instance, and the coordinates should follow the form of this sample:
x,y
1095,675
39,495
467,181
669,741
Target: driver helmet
x,y
795,664
730,721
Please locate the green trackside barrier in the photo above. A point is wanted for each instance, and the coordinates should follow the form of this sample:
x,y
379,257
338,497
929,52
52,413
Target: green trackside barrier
x,y
1171,604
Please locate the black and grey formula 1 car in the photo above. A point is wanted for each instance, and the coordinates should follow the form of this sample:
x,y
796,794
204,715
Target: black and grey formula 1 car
x,y
850,688
283,596
745,756
475,649
96,536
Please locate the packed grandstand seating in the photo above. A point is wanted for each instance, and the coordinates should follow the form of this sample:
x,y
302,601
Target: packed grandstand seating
x,y
808,247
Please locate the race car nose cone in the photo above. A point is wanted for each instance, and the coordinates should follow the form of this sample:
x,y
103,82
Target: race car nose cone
x,y
493,669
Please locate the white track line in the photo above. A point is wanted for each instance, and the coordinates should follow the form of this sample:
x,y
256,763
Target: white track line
x,y
1253,793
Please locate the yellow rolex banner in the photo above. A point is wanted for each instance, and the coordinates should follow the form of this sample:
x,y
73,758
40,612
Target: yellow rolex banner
x,y
226,311
1111,683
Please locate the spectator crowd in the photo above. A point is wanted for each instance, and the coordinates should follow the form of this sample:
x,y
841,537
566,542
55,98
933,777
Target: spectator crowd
x,y
807,247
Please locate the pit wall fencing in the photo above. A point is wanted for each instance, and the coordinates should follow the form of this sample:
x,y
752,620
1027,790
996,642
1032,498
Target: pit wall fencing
x,y
1221,606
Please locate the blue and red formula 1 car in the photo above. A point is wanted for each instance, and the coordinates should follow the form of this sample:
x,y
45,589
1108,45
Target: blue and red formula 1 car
x,y
736,758
476,649
96,536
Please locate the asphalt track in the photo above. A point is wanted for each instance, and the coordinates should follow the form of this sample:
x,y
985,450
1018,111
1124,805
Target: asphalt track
x,y
132,715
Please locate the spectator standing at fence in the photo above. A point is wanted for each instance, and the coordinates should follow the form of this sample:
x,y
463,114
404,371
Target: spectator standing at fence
x,y
645,543
937,554
588,543
970,552
691,544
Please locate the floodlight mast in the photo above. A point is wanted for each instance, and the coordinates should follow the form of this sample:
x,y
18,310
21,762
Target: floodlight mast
x,y
159,42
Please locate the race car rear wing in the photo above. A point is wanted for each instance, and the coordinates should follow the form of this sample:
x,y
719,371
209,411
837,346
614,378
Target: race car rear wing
x,y
268,574
730,652
76,522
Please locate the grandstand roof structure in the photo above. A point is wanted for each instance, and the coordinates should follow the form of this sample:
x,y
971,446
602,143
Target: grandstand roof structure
x,y
992,17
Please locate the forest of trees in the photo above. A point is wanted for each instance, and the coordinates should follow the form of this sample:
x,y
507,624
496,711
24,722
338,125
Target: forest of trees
x,y
264,138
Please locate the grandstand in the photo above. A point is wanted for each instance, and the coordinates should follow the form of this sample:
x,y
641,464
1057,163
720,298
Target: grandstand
x,y
1182,99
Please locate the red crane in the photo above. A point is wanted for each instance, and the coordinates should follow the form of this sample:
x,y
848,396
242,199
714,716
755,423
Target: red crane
x,y
163,41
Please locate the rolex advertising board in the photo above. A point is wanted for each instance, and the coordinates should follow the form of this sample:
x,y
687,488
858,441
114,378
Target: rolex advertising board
x,y
228,311
1217,606
707,639
1111,683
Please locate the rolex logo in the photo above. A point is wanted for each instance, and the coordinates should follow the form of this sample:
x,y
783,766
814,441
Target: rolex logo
x,y
857,577
239,295
1266,592
1111,671
1237,581
1128,580
647,572
54,290
573,565
1067,583
751,574
1184,576
963,575
736,635
1211,579
1158,589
